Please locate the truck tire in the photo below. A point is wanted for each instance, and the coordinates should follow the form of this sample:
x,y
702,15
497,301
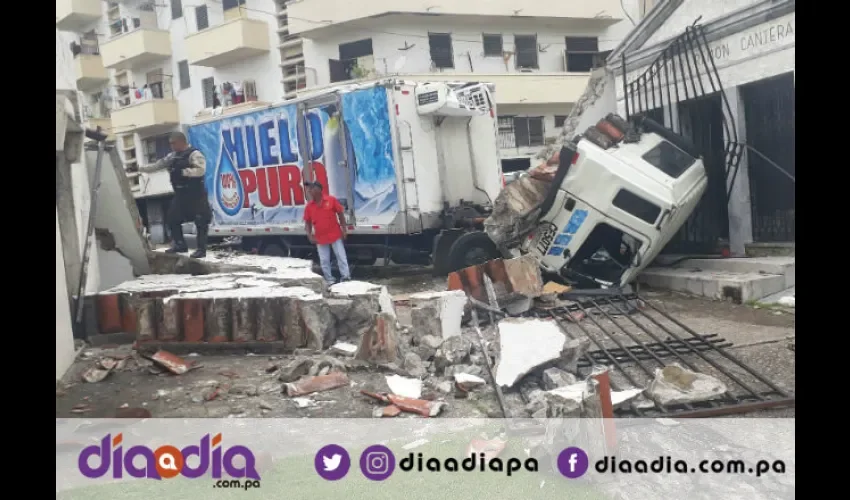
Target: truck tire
x,y
472,249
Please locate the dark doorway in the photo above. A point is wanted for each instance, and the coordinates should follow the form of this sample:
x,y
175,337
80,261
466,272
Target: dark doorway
x,y
707,229
516,165
769,111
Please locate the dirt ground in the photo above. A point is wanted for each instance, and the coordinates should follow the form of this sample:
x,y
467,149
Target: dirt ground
x,y
248,385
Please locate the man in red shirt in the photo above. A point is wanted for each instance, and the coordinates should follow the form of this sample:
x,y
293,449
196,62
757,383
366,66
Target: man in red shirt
x,y
324,219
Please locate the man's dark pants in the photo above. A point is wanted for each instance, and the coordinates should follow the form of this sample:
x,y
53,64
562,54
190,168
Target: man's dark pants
x,y
189,205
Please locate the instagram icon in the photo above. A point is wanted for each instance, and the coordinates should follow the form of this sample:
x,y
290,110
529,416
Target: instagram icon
x,y
377,462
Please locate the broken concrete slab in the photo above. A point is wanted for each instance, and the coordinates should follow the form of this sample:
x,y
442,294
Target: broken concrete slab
x,y
676,385
573,350
344,349
366,301
526,344
554,378
318,383
437,313
469,380
404,386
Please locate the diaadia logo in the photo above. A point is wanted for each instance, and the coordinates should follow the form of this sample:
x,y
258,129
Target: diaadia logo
x,y
167,461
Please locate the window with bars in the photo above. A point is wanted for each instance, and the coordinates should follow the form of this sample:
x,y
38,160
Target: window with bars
x,y
440,45
492,45
183,74
582,54
526,51
528,131
202,19
208,86
176,9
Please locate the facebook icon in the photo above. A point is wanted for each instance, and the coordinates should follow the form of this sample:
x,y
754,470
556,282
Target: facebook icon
x,y
573,462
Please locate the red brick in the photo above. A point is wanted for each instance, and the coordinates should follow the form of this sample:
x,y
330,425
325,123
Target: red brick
x,y
109,313
193,319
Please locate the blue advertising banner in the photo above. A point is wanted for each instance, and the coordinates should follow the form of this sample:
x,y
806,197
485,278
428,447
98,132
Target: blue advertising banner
x,y
254,168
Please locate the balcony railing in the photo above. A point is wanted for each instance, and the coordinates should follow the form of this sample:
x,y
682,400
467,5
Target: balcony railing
x,y
147,110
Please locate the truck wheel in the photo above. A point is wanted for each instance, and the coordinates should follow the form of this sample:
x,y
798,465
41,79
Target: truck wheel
x,y
472,249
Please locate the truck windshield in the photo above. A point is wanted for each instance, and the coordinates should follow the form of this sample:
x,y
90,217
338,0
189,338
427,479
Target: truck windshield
x,y
669,159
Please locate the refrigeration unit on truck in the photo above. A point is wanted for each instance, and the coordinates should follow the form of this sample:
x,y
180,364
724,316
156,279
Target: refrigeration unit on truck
x,y
620,193
407,160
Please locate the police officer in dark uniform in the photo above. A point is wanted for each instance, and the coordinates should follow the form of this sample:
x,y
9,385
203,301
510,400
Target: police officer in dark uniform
x,y
186,166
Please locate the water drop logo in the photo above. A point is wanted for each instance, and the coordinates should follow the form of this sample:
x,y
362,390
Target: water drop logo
x,y
228,185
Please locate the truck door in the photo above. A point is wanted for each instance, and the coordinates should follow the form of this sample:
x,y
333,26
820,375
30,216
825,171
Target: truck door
x,y
322,143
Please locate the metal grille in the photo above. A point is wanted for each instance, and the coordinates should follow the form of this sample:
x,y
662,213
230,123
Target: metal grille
x,y
634,338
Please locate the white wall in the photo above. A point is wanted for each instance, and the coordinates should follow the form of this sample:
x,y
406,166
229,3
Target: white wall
x,y
64,332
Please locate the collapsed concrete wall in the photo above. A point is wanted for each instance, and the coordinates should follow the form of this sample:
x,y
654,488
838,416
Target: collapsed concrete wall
x,y
514,210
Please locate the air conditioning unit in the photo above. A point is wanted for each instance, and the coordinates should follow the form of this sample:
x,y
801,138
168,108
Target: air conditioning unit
x,y
445,99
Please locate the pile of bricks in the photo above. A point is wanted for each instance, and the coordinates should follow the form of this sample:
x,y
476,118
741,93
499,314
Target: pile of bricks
x,y
290,307
515,281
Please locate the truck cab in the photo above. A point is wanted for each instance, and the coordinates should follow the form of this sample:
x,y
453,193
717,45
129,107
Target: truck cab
x,y
617,199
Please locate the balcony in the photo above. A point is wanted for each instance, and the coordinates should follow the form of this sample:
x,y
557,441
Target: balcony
x,y
90,72
333,14
521,88
146,117
75,15
228,43
136,48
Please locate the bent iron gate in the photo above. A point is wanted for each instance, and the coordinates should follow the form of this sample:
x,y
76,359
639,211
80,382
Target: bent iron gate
x,y
684,78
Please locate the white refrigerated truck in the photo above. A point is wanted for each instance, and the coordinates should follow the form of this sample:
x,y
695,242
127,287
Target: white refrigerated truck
x,y
415,164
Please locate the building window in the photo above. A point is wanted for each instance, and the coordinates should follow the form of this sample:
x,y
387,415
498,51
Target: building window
x,y
636,206
528,131
208,86
559,120
440,45
353,50
176,9
183,74
202,17
526,51
582,54
507,138
231,4
492,45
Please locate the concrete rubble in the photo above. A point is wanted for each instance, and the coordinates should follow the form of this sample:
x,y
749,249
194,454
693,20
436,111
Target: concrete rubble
x,y
676,385
437,313
524,345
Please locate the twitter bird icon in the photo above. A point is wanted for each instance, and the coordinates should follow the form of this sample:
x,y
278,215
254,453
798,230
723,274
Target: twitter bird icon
x,y
332,462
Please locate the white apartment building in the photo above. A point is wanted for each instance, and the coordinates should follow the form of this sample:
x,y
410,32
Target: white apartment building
x,y
144,68
538,55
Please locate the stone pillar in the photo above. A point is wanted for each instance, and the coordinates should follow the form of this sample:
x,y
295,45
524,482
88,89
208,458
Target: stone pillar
x,y
740,206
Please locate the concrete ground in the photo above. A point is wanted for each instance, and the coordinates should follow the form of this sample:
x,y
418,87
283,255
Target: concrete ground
x,y
248,386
